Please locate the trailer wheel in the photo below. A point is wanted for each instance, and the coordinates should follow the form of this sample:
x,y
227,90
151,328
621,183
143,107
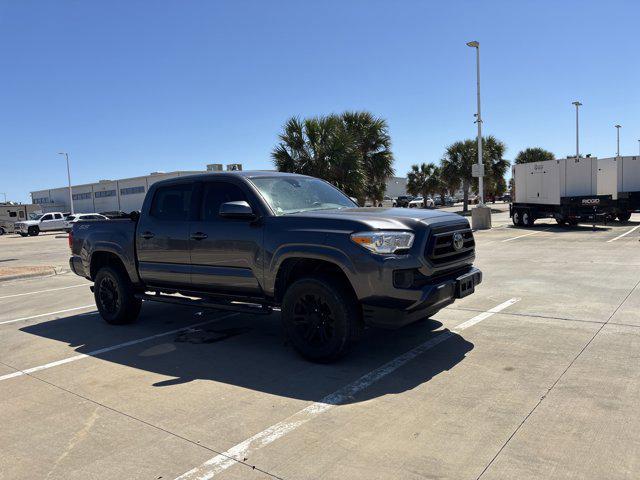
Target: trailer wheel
x,y
517,217
624,216
2,232
527,219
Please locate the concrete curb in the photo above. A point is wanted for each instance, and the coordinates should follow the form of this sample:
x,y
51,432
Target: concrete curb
x,y
44,272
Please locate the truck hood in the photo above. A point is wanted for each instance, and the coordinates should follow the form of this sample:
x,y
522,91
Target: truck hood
x,y
386,218
28,222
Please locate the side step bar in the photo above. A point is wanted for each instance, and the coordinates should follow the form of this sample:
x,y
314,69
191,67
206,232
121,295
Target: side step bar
x,y
221,305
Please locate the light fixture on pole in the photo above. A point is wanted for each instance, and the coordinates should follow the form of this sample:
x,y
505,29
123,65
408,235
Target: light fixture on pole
x,y
69,179
476,45
578,105
481,215
618,127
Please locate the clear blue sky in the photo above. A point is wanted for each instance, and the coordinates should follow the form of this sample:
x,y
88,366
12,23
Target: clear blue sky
x,y
129,87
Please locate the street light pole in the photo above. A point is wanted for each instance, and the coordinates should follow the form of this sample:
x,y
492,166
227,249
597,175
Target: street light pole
x,y
639,146
5,195
476,45
69,179
618,127
578,105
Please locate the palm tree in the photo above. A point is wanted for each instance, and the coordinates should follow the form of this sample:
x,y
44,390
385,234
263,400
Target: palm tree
x,y
321,147
460,156
456,164
373,143
352,151
495,165
421,180
534,154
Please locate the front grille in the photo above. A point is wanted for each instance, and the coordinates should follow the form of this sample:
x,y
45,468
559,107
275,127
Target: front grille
x,y
440,250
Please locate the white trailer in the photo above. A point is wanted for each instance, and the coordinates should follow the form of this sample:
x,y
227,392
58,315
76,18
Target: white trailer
x,y
565,189
625,183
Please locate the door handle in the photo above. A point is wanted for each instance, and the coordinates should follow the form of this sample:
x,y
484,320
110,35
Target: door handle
x,y
147,235
199,236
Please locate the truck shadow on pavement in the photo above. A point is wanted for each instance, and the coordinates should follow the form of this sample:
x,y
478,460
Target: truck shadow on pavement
x,y
250,352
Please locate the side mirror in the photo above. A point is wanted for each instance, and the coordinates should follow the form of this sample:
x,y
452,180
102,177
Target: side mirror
x,y
239,209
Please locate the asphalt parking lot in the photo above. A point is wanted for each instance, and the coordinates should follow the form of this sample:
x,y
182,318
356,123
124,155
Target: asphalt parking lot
x,y
536,375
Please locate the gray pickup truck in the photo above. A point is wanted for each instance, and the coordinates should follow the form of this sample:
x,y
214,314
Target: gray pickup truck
x,y
255,241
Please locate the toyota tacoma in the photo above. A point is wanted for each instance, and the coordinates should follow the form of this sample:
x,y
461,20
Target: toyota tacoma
x,y
258,241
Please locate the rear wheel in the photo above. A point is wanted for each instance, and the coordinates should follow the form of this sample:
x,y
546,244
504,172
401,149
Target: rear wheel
x,y
321,318
115,297
517,218
527,219
34,230
624,216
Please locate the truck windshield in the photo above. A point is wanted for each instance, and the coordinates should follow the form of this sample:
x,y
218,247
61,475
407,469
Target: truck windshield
x,y
35,216
288,195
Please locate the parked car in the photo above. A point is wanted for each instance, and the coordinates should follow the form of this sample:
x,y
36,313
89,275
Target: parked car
x,y
71,219
249,242
115,214
420,202
46,222
403,200
387,202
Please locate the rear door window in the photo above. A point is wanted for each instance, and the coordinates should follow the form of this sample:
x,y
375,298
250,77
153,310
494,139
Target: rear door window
x,y
172,203
214,195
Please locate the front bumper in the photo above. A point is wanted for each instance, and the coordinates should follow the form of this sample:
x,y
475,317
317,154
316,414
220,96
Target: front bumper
x,y
427,300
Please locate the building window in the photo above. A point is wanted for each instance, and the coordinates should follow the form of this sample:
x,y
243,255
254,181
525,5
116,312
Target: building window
x,y
106,193
131,190
41,200
82,196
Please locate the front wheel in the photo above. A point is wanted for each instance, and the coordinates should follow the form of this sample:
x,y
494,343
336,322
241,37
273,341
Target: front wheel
x,y
34,231
321,318
115,297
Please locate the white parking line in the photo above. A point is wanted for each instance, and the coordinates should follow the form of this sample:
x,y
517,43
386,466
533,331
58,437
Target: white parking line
x,y
93,305
44,291
243,450
525,235
624,234
100,351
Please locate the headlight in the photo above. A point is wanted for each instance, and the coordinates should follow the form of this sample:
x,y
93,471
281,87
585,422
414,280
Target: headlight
x,y
383,242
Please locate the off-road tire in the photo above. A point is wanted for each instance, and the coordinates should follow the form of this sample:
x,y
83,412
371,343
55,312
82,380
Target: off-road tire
x,y
115,297
321,317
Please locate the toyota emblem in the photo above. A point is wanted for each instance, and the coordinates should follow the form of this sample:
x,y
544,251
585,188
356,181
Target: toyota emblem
x,y
458,241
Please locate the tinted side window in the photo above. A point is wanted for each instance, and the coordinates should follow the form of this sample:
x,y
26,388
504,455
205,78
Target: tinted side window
x,y
58,216
47,217
215,194
172,202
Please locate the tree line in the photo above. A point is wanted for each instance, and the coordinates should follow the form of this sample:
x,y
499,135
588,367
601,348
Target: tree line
x,y
352,150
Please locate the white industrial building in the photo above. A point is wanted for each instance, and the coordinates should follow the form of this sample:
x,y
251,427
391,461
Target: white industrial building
x,y
127,194
124,195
